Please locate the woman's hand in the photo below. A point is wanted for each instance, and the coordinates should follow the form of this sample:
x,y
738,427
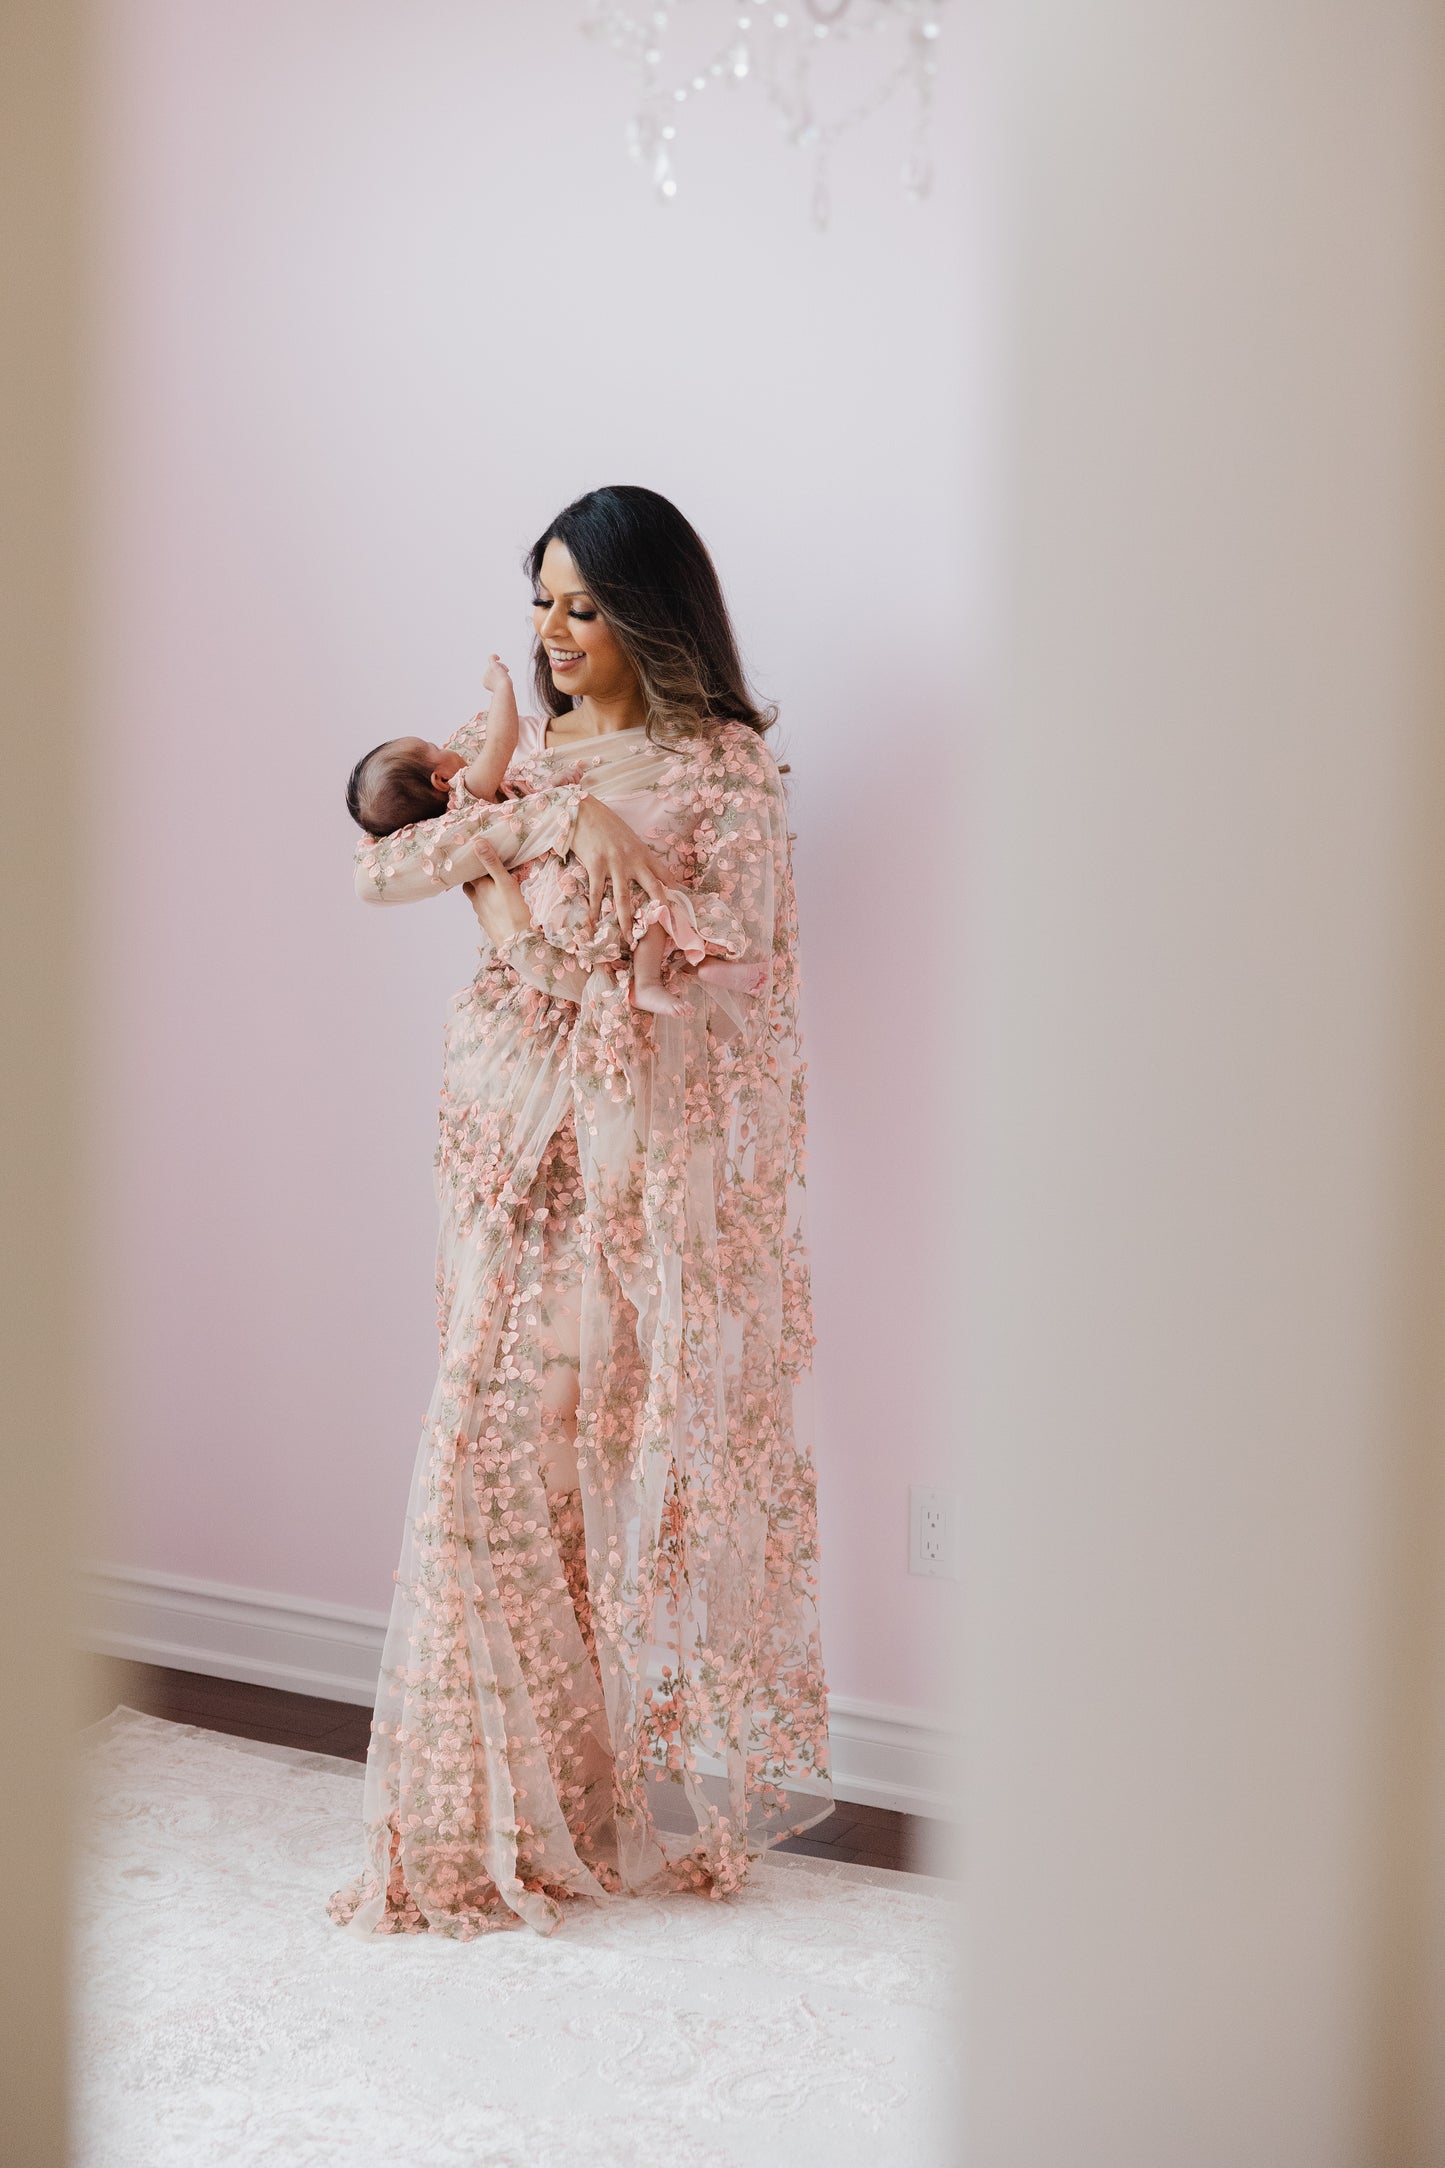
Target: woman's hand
x,y
614,856
475,859
494,895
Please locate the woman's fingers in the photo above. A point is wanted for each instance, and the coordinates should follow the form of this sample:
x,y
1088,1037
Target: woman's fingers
x,y
600,885
623,871
637,869
464,862
651,880
616,861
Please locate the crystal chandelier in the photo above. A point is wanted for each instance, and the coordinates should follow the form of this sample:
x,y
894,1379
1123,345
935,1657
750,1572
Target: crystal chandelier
x,y
789,49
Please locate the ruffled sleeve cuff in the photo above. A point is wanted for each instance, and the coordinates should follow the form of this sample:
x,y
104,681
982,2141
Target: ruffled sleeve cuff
x,y
674,913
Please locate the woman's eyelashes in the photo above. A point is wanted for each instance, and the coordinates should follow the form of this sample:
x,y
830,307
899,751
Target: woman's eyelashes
x,y
544,602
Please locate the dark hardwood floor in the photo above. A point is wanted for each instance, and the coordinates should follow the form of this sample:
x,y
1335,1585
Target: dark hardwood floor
x,y
860,1836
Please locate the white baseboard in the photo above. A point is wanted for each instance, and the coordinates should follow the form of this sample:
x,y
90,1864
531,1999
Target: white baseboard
x,y
882,1756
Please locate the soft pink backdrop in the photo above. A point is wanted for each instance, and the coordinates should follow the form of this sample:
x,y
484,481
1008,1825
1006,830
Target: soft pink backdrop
x,y
383,290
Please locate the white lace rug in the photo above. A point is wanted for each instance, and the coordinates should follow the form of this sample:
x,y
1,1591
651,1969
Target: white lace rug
x,y
222,2018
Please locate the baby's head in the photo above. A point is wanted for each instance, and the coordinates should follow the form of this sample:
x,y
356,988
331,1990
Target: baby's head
x,y
402,781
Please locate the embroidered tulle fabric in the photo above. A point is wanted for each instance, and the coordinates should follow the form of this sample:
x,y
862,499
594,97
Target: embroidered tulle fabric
x,y
602,1671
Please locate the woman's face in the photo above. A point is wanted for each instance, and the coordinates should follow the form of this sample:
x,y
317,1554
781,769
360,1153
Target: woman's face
x,y
585,654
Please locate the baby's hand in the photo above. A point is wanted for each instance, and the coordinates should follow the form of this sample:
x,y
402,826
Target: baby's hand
x,y
496,675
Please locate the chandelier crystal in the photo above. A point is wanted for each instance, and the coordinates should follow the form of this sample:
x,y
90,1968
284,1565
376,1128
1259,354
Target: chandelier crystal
x,y
787,49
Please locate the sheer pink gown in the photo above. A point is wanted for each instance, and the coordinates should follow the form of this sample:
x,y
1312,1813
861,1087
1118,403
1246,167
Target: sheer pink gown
x,y
602,1672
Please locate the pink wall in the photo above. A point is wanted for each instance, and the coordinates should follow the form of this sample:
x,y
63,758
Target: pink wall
x,y
383,291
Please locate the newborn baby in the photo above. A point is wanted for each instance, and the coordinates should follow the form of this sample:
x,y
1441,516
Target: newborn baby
x,y
406,780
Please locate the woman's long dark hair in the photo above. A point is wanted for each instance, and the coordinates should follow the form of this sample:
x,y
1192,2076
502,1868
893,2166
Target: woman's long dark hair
x,y
649,573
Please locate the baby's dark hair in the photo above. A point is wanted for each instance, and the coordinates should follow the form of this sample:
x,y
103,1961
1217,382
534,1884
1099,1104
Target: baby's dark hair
x,y
390,787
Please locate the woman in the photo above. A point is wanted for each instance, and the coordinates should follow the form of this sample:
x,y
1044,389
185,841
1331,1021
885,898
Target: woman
x,y
602,1670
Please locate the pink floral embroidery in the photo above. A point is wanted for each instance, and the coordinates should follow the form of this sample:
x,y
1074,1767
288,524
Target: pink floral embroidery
x,y
602,1672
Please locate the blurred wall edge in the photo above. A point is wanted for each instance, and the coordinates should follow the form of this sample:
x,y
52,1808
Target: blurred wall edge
x,y
1204,1805
40,66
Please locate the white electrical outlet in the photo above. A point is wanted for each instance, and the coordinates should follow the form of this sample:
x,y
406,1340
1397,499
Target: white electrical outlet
x,y
932,1515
